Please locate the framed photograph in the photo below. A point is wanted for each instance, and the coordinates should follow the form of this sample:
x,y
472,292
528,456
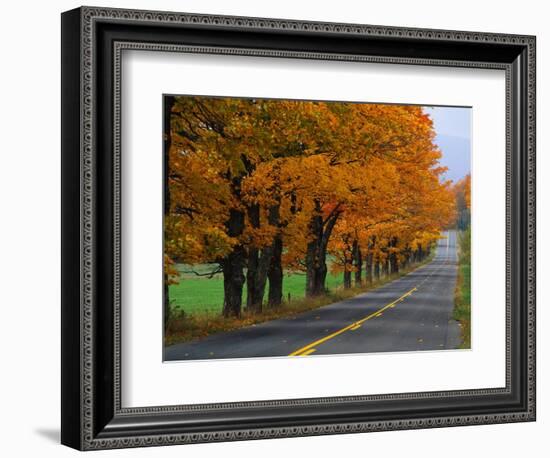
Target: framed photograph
x,y
276,228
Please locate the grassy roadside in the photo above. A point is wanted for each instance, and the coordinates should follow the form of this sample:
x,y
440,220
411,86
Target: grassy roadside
x,y
462,308
185,327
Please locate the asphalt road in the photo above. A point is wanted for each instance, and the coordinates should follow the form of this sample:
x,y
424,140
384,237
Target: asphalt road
x,y
409,314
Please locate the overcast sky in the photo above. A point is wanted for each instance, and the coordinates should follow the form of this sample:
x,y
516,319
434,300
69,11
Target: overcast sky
x,y
453,127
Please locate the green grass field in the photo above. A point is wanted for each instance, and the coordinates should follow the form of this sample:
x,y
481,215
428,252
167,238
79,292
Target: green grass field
x,y
205,295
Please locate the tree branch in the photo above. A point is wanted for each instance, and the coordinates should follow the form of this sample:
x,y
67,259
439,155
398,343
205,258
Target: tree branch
x,y
205,274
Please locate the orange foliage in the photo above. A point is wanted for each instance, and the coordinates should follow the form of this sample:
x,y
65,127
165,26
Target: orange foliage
x,y
371,169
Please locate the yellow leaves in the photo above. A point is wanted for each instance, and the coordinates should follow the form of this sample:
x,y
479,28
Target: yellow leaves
x,y
197,242
259,187
260,237
376,163
463,190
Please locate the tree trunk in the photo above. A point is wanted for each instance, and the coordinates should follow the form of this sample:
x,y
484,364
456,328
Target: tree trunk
x,y
233,281
358,262
233,268
315,270
312,256
385,266
347,278
394,264
316,254
368,269
258,265
394,268
168,105
275,274
257,279
377,269
251,274
275,269
408,256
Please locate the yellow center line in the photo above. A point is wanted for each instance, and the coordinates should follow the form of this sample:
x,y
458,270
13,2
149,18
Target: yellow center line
x,y
353,326
308,352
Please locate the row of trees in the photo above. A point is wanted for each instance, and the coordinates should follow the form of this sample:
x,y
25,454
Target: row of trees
x,y
462,191
258,187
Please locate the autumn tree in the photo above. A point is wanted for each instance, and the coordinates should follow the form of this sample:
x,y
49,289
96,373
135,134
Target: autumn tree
x,y
216,145
462,192
207,162
256,187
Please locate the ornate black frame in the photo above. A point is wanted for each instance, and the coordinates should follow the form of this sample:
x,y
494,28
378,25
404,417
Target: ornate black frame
x,y
92,42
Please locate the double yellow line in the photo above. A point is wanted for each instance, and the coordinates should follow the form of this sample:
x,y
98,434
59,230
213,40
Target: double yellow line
x,y
310,348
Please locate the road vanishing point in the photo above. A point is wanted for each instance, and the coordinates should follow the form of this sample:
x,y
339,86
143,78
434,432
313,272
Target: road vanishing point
x,y
411,313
